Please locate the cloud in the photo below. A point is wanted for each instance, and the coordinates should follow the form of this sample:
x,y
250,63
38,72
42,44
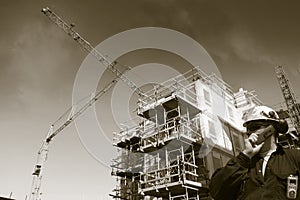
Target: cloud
x,y
37,66
249,49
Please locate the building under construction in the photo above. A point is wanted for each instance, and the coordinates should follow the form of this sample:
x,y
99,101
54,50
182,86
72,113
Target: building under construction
x,y
186,128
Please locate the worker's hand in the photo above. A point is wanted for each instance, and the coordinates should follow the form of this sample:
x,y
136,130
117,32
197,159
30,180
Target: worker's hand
x,y
251,149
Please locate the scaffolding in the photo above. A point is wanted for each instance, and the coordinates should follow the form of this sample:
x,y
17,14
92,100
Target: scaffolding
x,y
159,154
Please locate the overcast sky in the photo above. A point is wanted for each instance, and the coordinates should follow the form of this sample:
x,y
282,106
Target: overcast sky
x,y
38,65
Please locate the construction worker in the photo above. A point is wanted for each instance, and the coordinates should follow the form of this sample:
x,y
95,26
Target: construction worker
x,y
263,170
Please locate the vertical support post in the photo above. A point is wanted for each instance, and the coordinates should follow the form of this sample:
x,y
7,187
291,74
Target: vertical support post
x,y
168,165
187,193
194,161
183,164
177,127
156,128
188,119
158,159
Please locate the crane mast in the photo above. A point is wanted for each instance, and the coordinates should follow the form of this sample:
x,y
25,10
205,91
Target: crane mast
x,y
290,100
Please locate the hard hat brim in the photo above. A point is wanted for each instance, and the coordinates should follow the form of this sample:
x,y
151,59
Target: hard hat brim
x,y
272,121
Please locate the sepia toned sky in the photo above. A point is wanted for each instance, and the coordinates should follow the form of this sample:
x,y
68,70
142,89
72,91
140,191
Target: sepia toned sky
x,y
38,66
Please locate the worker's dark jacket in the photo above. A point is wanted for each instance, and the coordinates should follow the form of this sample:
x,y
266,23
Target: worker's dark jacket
x,y
242,178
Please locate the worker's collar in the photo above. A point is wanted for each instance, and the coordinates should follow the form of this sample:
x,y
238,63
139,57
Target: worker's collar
x,y
267,153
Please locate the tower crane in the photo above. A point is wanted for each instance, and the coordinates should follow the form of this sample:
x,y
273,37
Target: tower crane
x,y
44,149
290,100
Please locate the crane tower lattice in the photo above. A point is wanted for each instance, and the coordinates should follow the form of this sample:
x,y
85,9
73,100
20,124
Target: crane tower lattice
x,y
290,100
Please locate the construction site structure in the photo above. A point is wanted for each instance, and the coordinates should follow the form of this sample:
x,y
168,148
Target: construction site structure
x,y
185,129
289,109
293,108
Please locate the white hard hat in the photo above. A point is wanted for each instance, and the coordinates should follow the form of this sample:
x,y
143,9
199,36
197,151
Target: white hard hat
x,y
260,113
